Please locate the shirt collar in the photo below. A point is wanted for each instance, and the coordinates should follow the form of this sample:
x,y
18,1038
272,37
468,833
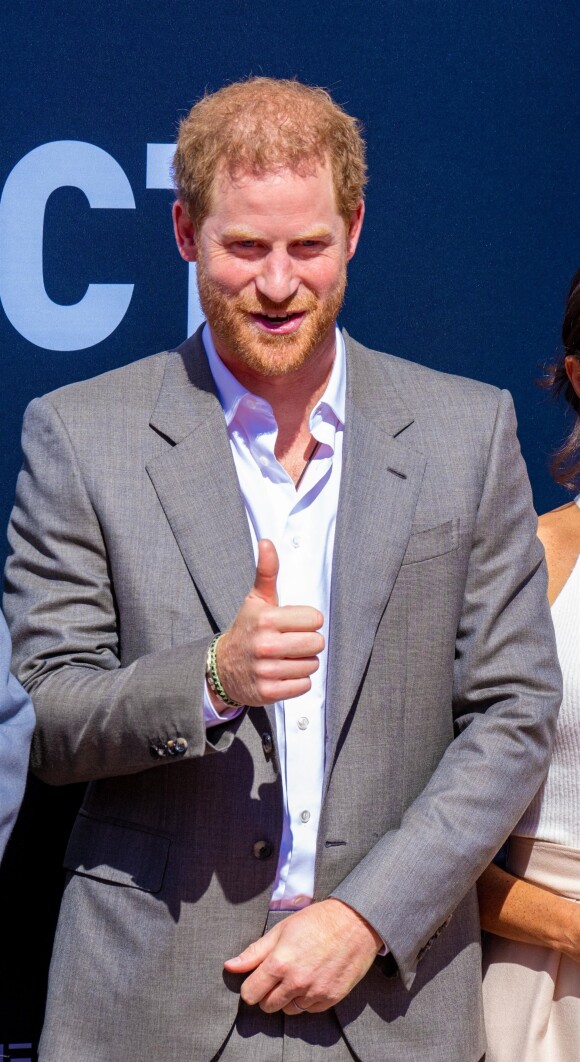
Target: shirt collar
x,y
231,392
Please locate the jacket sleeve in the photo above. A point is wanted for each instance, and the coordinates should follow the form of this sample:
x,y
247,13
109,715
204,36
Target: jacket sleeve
x,y
96,719
16,726
506,696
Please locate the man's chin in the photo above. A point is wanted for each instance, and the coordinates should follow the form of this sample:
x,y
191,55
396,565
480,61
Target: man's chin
x,y
274,357
268,353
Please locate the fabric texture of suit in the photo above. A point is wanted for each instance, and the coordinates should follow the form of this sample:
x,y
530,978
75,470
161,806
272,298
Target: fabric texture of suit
x,y
16,726
131,547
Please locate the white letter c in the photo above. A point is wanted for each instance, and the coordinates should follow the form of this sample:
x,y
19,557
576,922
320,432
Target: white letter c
x,y
24,297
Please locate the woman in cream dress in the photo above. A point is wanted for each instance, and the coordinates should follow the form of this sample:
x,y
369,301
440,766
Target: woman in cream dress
x,y
531,911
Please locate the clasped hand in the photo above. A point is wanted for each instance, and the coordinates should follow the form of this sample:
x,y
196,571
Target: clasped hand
x,y
269,652
314,957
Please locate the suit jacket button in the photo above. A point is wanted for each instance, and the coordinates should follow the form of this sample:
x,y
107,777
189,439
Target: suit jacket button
x,y
263,849
267,743
157,749
176,746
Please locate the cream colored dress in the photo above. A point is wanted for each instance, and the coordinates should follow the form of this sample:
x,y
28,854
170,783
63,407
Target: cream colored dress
x,y
532,993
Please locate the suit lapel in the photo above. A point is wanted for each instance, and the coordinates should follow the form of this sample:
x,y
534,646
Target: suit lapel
x,y
197,486
380,484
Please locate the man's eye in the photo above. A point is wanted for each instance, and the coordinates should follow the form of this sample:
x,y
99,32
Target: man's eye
x,y
246,245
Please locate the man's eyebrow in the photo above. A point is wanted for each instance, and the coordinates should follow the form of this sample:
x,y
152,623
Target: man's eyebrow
x,y
323,232
241,234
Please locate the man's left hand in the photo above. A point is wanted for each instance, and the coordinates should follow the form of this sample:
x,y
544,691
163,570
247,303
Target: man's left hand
x,y
308,962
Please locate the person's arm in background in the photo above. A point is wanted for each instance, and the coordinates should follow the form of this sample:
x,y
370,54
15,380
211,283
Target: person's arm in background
x,y
16,726
519,910
510,907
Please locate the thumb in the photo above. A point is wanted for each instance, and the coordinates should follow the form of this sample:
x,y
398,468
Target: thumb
x,y
255,954
266,572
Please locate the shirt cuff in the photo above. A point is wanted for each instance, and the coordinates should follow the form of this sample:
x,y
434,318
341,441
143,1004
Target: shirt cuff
x,y
213,718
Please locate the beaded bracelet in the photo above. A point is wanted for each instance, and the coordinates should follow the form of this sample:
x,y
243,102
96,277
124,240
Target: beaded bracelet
x,y
212,677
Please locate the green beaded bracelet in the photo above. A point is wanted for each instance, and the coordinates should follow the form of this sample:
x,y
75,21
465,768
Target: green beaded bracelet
x,y
212,677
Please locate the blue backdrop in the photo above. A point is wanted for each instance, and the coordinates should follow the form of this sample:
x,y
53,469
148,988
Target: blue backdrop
x,y
472,117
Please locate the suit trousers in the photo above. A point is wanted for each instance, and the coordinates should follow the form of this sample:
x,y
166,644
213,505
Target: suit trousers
x,y
260,1037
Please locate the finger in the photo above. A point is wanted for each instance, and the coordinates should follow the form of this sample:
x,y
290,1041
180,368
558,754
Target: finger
x,y
266,572
279,1000
296,618
285,996
274,990
291,645
291,1010
254,954
319,1008
270,692
286,669
296,1007
258,987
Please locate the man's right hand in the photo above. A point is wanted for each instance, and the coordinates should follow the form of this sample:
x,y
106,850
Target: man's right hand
x,y
269,652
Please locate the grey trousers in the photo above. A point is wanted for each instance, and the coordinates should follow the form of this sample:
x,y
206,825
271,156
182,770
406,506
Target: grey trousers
x,y
260,1037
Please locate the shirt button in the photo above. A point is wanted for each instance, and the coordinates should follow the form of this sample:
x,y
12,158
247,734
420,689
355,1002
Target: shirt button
x,y
296,541
304,816
303,722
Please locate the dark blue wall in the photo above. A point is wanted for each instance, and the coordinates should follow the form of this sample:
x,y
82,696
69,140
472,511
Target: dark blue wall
x,y
472,231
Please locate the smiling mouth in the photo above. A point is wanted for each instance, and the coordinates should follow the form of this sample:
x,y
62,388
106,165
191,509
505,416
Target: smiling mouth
x,y
281,322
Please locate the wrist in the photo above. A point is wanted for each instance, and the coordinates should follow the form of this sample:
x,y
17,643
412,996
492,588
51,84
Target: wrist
x,y
216,702
564,930
362,923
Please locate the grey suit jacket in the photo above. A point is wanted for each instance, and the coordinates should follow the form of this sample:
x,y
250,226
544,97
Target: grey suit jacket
x,y
131,546
16,726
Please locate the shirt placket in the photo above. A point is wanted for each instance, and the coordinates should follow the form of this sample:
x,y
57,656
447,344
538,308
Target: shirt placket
x,y
302,718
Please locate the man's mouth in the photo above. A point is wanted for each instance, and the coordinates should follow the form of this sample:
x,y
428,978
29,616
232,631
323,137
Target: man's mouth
x,y
279,323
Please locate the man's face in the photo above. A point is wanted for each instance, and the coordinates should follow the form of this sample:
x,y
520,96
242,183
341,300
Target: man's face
x,y
271,267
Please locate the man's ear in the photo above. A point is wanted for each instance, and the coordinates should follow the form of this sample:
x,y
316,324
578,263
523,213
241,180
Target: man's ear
x,y
184,232
572,365
354,229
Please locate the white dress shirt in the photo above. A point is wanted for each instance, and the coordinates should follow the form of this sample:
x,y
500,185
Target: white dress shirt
x,y
301,524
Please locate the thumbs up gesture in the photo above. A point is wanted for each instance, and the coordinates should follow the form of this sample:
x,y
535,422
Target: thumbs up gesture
x,y
269,652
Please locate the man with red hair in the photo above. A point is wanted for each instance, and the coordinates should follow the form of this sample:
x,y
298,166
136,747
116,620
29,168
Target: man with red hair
x,y
281,604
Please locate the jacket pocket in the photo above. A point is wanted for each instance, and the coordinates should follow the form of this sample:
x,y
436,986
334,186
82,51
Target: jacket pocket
x,y
118,853
432,542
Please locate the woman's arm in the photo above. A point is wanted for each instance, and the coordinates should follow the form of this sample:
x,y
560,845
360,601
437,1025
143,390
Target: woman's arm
x,y
559,533
521,911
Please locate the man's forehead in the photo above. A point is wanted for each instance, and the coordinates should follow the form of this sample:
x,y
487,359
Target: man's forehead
x,y
313,179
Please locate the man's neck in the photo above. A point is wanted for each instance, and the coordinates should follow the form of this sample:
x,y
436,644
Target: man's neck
x,y
292,403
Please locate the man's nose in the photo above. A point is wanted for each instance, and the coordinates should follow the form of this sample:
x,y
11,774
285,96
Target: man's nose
x,y
276,279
